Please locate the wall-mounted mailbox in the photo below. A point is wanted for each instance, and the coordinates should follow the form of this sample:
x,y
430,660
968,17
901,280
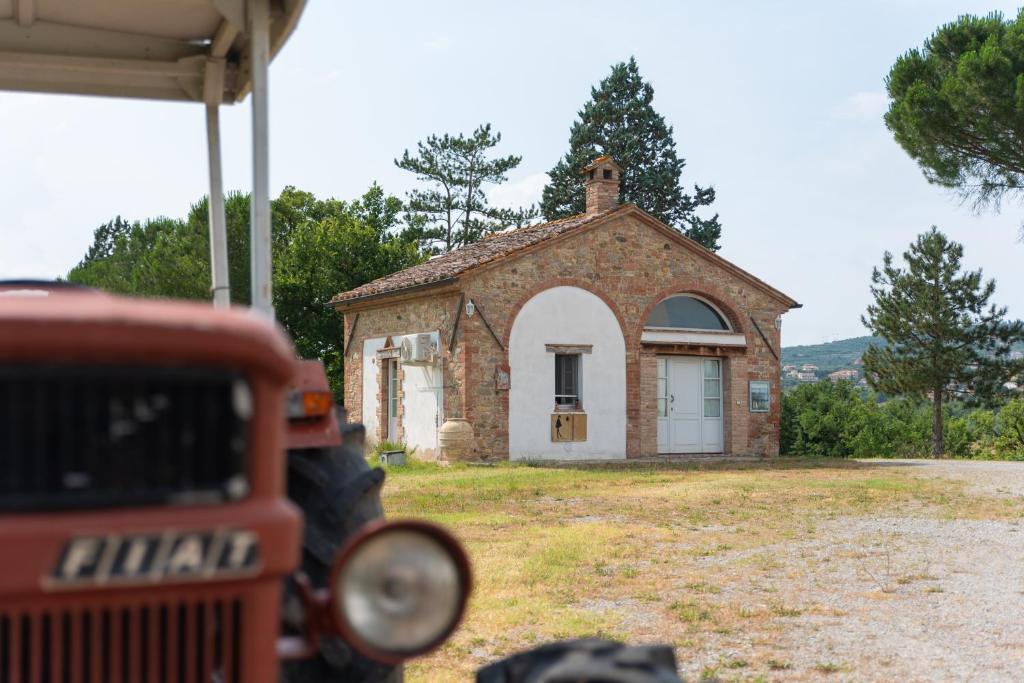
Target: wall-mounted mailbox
x,y
568,426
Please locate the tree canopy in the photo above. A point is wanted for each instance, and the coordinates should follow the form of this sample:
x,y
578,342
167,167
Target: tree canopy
x,y
453,210
958,107
321,247
620,120
944,338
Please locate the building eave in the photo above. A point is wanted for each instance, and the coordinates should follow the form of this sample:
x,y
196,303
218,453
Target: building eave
x,y
342,305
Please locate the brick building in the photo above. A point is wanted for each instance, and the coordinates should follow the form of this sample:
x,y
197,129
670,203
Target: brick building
x,y
604,335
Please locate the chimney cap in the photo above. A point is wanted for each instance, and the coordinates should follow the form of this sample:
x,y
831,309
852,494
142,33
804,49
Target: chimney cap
x,y
603,161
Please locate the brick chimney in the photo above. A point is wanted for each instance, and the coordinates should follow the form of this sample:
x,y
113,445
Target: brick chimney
x,y
601,180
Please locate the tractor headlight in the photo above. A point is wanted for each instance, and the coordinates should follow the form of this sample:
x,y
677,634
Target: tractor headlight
x,y
399,589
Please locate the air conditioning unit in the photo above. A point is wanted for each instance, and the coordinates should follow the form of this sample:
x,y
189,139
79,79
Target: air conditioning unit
x,y
419,350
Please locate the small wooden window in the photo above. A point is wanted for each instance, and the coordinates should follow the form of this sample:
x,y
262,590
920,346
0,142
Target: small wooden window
x,y
567,381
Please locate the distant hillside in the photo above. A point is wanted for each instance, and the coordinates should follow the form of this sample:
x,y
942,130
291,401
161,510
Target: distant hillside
x,y
831,356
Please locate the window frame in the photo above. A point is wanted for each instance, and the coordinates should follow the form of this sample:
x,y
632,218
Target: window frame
x,y
767,386
716,380
707,330
577,402
662,387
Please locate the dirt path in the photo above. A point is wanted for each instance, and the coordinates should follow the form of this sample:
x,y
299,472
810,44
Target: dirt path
x,y
987,477
889,598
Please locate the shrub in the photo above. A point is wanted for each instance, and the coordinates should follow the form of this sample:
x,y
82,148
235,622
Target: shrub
x,y
1009,433
838,420
816,418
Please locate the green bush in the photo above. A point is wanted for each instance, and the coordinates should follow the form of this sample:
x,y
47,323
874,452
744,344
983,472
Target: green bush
x,y
1008,441
839,420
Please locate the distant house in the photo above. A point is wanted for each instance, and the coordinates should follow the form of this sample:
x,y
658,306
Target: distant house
x,y
604,335
807,367
845,374
805,376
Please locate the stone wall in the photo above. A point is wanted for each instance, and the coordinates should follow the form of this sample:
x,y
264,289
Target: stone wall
x,y
632,267
629,264
399,316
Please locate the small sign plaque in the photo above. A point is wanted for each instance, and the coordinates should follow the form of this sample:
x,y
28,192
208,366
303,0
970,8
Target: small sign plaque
x,y
502,378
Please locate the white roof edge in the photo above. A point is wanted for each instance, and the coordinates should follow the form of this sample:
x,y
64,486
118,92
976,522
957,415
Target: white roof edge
x,y
127,48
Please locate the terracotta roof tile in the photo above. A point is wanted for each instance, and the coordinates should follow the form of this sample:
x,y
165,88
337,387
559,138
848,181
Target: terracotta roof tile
x,y
460,260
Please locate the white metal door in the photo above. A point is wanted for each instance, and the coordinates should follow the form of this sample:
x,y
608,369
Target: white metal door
x,y
689,405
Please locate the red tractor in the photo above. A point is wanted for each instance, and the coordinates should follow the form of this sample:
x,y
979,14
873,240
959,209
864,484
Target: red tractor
x,y
144,484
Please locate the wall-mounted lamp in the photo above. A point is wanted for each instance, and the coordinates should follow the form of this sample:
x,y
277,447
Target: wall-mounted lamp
x,y
470,308
778,322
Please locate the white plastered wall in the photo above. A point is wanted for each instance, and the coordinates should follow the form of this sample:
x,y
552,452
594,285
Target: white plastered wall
x,y
566,315
421,389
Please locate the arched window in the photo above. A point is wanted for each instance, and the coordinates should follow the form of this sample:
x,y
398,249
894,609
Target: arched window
x,y
687,313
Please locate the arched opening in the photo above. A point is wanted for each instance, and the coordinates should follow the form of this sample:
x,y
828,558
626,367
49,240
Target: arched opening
x,y
567,363
687,312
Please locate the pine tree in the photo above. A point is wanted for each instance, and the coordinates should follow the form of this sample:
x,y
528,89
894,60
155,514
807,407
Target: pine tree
x,y
620,121
454,211
956,107
944,338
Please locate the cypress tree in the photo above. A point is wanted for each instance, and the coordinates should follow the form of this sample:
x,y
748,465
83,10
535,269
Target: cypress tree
x,y
620,121
944,338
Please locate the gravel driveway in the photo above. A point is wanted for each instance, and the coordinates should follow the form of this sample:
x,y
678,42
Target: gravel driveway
x,y
890,599
986,477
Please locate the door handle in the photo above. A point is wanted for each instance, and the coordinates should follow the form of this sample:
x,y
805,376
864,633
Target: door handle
x,y
671,398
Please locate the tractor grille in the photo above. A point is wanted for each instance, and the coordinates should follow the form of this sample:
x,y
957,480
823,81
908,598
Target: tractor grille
x,y
180,642
98,436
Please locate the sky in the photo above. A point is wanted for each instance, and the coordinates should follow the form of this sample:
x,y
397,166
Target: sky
x,y
778,105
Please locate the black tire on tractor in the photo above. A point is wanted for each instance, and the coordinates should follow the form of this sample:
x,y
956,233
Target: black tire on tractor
x,y
589,660
338,493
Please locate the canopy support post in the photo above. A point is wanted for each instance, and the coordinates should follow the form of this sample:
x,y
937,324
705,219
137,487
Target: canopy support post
x,y
258,14
218,224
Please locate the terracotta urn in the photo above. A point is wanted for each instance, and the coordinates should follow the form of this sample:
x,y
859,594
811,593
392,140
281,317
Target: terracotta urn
x,y
455,439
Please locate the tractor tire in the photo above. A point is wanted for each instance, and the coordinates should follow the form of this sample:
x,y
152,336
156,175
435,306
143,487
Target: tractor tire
x,y
585,661
338,493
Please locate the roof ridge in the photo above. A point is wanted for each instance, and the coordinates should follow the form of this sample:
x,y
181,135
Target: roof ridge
x,y
445,268
450,264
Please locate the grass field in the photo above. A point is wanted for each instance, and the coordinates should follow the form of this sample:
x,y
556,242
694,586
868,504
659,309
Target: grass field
x,y
651,553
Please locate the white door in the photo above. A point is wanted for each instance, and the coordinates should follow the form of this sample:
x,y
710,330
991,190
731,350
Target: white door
x,y
689,405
